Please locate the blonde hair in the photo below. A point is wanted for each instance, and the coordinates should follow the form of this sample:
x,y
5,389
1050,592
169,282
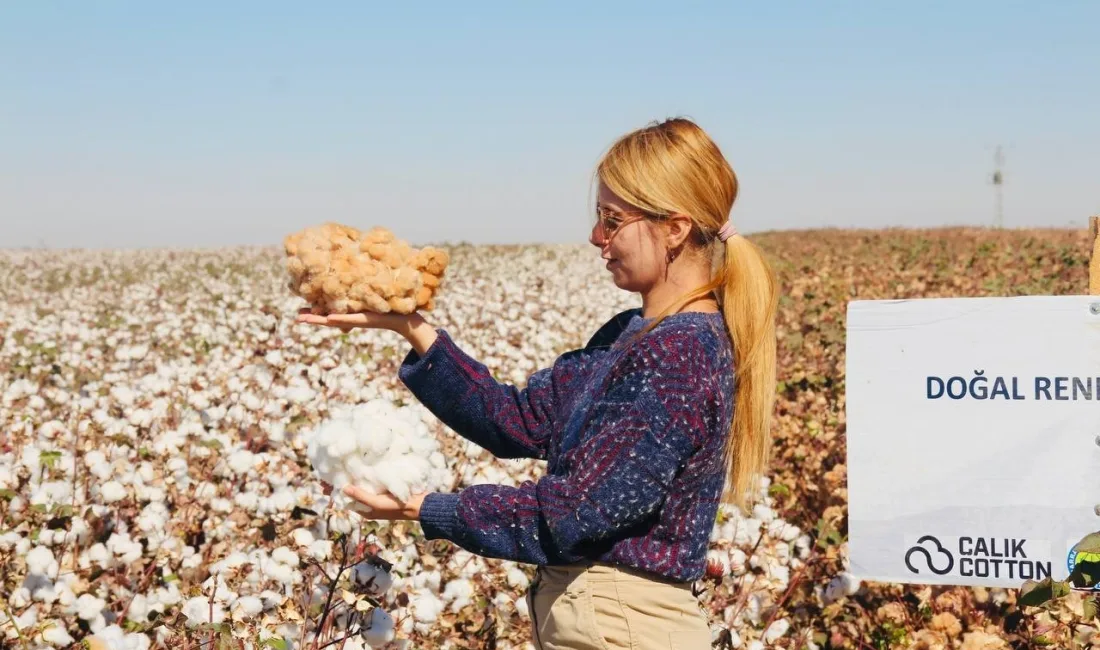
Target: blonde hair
x,y
674,167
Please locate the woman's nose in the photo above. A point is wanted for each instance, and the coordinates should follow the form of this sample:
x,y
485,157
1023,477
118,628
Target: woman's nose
x,y
595,236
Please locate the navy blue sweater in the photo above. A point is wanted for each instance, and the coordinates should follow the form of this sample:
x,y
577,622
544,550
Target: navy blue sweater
x,y
633,434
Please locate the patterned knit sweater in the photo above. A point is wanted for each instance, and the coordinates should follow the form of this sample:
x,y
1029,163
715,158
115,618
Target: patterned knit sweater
x,y
632,432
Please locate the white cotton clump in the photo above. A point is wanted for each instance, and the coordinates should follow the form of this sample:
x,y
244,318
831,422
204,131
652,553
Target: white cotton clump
x,y
380,630
459,592
371,577
99,554
844,584
320,550
776,630
248,606
40,560
56,635
377,446
517,579
125,549
283,555
241,461
198,611
112,491
425,606
521,607
301,536
88,607
9,539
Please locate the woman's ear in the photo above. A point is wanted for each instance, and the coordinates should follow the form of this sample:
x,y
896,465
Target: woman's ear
x,y
679,229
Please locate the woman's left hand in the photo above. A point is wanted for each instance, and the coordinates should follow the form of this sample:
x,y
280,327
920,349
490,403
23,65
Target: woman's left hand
x,y
383,506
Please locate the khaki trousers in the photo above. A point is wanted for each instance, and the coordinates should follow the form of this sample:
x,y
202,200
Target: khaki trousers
x,y
600,607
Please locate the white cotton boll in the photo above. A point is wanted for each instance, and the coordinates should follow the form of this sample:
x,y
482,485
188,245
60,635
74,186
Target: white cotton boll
x,y
55,634
517,579
65,596
840,586
271,599
300,394
99,554
247,500
737,561
231,561
241,461
783,530
125,549
122,395
319,550
248,606
755,644
302,537
763,512
52,492
776,630
284,499
381,629
40,560
431,580
197,610
425,606
221,590
20,598
459,593
88,607
284,555
192,562
521,607
280,573
139,609
221,505
8,540
372,578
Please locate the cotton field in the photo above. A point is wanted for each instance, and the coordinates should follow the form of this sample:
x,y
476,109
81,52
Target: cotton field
x,y
166,425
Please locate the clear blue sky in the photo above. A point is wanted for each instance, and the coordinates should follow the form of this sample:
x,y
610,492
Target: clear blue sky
x,y
208,123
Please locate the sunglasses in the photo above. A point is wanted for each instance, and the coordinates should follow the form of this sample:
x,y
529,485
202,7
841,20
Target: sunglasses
x,y
610,222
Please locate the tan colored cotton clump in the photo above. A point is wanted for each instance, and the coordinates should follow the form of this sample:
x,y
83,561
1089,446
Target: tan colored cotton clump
x,y
338,269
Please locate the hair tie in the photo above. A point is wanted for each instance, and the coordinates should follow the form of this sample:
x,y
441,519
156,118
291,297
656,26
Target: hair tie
x,y
726,231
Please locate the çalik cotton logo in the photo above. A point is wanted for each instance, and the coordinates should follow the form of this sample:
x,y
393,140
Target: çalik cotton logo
x,y
935,557
979,557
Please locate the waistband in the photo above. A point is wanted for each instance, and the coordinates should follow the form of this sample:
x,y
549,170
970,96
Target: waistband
x,y
565,575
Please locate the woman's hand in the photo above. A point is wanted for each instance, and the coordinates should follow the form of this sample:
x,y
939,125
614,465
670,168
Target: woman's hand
x,y
382,506
412,326
368,320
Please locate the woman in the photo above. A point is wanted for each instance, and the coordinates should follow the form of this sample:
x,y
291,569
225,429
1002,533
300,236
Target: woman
x,y
644,429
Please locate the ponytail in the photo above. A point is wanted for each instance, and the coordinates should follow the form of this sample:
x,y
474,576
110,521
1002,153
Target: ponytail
x,y
749,299
747,292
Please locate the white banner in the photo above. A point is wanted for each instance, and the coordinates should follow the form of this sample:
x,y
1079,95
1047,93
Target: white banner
x,y
972,431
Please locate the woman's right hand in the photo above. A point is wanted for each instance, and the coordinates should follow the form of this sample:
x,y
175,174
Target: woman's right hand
x,y
417,331
368,320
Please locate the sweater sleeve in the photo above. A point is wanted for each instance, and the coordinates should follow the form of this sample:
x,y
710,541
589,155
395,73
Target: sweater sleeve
x,y
462,393
637,437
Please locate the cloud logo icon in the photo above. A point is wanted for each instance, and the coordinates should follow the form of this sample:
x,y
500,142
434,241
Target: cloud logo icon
x,y
922,548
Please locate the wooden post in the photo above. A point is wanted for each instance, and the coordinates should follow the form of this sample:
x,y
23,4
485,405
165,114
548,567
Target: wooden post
x,y
1094,255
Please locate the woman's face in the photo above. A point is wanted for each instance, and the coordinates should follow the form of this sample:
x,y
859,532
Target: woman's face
x,y
628,242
